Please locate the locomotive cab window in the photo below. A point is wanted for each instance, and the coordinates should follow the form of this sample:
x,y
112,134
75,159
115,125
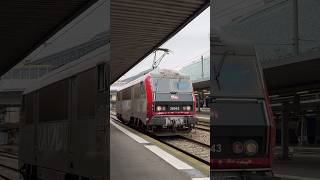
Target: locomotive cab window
x,y
181,85
172,85
101,77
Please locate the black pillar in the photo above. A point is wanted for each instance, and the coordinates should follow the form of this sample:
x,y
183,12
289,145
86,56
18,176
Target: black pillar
x,y
198,101
284,131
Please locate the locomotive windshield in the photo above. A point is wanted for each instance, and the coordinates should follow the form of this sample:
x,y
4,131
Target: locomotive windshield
x,y
171,85
236,76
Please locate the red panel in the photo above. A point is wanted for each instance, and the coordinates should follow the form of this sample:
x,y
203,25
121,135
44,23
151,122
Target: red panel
x,y
174,113
272,131
149,95
194,103
243,163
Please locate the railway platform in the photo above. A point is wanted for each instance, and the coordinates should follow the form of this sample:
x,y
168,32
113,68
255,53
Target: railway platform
x,y
135,157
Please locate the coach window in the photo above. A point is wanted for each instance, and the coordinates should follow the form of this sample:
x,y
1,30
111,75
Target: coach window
x,y
86,92
22,110
101,77
137,92
58,96
142,90
126,95
28,108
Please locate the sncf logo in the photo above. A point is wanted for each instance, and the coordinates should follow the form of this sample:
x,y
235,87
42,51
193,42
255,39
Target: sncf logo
x,y
174,97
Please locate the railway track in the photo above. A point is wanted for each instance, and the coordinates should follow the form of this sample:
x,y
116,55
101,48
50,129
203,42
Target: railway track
x,y
7,163
203,124
190,147
8,173
204,128
193,148
6,152
8,155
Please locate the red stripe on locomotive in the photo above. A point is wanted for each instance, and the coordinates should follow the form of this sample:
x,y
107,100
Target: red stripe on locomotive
x,y
149,96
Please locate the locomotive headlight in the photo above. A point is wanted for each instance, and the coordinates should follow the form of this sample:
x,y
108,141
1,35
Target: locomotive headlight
x,y
186,108
251,147
237,147
159,108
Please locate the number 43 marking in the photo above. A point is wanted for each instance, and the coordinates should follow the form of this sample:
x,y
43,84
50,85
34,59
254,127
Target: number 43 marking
x,y
216,148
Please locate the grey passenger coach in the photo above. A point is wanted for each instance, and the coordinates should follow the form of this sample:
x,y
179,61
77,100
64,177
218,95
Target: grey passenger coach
x,y
63,130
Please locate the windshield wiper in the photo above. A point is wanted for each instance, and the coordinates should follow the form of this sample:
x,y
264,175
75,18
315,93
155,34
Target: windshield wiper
x,y
156,84
217,70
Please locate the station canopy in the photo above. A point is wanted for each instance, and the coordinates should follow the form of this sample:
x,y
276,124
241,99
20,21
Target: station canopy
x,y
26,24
139,27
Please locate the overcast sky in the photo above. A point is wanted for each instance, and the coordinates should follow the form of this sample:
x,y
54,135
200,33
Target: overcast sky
x,y
188,45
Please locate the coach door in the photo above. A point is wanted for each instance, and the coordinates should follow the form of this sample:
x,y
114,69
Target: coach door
x,y
103,98
72,110
89,103
27,134
103,116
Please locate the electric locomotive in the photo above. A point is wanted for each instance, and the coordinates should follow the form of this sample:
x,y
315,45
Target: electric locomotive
x,y
161,102
242,130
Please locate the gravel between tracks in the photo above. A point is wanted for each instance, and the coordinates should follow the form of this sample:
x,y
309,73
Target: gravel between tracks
x,y
199,135
197,149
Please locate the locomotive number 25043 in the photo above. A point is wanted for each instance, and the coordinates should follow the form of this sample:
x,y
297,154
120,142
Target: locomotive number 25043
x,y
174,108
216,148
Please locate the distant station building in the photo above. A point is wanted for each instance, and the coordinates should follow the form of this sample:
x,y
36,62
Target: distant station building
x,y
199,72
113,92
12,85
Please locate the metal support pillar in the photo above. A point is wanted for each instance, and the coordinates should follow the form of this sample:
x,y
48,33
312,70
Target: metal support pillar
x,y
202,73
302,131
317,139
198,102
305,132
284,131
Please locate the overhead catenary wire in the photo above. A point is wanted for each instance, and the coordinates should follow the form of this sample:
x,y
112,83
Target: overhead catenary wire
x,y
229,7
192,60
235,11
